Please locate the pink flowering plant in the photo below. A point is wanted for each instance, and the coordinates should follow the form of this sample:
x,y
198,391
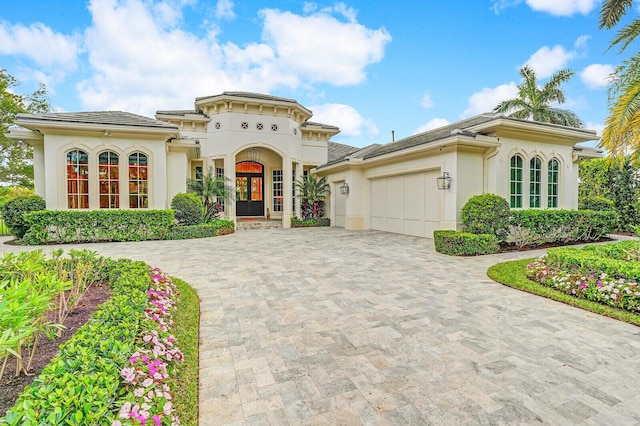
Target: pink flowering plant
x,y
598,287
147,378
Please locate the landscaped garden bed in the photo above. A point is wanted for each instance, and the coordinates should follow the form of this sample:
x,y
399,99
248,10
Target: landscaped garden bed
x,y
122,366
492,227
600,278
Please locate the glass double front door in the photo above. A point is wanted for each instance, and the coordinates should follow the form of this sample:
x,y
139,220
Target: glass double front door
x,y
249,194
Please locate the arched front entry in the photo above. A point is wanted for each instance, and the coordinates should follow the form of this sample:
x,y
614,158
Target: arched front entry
x,y
249,189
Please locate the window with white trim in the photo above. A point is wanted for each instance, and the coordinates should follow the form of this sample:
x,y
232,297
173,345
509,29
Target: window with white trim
x,y
77,179
553,185
108,180
515,182
535,183
138,181
278,190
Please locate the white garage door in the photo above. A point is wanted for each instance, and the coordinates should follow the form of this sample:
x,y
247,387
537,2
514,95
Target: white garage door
x,y
340,206
406,204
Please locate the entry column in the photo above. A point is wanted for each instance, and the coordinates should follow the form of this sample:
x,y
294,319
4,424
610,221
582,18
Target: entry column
x,y
287,204
230,173
299,173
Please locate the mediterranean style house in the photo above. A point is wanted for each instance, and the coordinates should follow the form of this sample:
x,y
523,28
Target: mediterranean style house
x,y
263,144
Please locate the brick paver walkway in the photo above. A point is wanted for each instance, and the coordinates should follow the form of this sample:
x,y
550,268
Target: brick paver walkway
x,y
327,326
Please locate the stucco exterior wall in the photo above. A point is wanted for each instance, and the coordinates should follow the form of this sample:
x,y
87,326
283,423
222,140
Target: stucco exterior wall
x,y
177,174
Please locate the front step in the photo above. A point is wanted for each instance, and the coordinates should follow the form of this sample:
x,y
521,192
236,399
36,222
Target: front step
x,y
257,223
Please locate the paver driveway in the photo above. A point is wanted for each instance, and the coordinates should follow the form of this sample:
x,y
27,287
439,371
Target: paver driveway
x,y
327,326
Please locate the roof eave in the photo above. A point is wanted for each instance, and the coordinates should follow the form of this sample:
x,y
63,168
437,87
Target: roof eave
x,y
569,135
40,125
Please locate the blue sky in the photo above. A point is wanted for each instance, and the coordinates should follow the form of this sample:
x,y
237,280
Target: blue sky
x,y
368,68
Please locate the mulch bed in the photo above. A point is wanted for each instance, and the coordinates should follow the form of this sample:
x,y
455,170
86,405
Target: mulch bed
x,y
11,387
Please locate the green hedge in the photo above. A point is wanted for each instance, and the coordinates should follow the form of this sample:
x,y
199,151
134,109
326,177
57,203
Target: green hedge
x,y
465,244
308,223
606,259
204,230
74,226
595,203
80,385
536,227
13,212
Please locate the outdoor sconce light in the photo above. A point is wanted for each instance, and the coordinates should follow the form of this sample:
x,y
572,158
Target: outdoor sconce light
x,y
344,189
444,181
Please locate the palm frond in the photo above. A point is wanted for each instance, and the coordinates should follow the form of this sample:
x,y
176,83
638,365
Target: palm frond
x,y
565,117
626,35
612,11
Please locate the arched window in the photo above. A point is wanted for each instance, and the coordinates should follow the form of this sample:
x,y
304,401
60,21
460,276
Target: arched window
x,y
535,183
77,179
138,181
515,181
108,180
553,183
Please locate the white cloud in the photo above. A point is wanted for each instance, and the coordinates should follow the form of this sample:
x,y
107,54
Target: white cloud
x,y
545,61
141,59
553,7
224,10
563,7
433,124
347,118
598,127
320,48
427,102
487,99
596,76
500,5
581,42
56,53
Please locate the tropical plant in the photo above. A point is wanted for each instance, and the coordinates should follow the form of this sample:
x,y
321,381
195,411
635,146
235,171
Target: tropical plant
x,y
214,191
312,192
620,135
536,103
616,181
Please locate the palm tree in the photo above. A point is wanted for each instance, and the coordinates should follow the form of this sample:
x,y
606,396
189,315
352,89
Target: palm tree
x,y
535,103
312,191
214,191
621,134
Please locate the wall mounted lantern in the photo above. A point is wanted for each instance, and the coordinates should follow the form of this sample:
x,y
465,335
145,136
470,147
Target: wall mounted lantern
x,y
344,189
444,181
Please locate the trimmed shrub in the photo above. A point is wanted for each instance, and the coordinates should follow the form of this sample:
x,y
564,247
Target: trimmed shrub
x,y
13,213
187,232
587,262
73,226
487,214
188,209
537,227
309,223
595,203
464,243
